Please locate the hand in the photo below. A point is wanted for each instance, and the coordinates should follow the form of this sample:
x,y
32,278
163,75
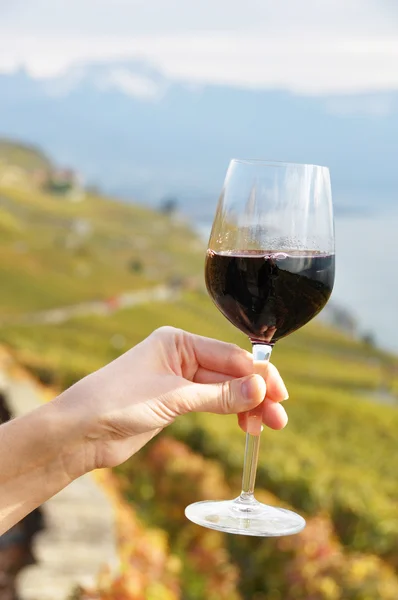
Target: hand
x,y
126,403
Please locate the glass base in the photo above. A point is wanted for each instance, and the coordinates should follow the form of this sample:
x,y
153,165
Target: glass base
x,y
252,518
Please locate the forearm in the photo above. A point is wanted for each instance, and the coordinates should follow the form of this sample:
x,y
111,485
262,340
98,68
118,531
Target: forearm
x,y
40,454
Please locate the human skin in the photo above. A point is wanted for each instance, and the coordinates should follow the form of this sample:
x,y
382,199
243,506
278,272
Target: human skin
x,y
111,414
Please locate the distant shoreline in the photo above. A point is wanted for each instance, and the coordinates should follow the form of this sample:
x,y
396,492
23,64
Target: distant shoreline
x,y
203,225
366,252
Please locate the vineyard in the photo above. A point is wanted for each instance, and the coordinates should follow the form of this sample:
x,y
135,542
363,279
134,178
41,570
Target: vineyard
x,y
336,462
200,563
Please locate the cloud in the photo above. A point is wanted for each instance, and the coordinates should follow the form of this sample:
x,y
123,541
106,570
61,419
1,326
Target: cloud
x,y
141,17
311,46
6,6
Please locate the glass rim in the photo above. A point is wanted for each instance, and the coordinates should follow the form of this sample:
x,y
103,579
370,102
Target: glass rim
x,y
274,163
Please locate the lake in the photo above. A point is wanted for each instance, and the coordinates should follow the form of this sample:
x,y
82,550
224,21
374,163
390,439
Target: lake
x,y
367,272
366,275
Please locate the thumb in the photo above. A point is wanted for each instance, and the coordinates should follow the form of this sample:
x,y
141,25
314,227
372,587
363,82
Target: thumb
x,y
229,397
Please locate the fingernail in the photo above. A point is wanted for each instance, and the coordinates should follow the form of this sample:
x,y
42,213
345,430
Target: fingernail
x,y
284,392
254,425
249,387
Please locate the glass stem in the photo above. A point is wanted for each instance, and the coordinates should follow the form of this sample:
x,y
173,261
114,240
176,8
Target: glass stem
x,y
261,352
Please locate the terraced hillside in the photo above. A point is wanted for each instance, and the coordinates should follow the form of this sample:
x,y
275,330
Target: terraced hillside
x,y
336,461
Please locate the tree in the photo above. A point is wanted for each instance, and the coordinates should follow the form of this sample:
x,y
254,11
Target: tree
x,y
169,205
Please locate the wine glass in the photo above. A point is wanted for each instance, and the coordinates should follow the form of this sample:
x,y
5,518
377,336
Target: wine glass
x,y
269,270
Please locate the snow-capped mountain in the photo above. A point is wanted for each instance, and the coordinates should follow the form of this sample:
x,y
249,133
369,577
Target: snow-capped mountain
x,y
128,128
136,80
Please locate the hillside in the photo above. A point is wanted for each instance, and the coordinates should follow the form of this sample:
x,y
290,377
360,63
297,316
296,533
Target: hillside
x,y
336,462
55,252
153,136
23,156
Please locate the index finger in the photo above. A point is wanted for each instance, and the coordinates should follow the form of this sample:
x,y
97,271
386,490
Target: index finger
x,y
221,357
276,388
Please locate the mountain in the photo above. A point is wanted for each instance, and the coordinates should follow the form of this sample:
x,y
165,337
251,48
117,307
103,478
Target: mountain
x,y
20,155
336,462
129,129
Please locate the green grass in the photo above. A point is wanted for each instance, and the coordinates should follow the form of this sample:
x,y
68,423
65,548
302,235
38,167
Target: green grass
x,y
46,264
338,453
21,155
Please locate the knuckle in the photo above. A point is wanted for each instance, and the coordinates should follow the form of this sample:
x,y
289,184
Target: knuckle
x,y
165,408
166,331
227,398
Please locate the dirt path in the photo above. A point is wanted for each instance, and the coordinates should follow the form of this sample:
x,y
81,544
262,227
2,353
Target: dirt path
x,y
161,293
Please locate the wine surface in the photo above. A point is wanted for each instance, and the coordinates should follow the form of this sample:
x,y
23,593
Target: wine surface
x,y
268,295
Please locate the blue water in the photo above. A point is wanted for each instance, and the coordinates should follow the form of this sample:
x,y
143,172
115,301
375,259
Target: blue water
x,y
366,275
366,272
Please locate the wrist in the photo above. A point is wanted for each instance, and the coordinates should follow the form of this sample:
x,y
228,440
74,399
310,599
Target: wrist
x,y
42,453
74,425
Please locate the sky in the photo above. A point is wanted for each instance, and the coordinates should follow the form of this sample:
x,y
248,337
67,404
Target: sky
x,y
306,46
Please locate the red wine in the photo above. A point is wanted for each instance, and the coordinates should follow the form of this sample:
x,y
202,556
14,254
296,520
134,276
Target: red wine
x,y
268,295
